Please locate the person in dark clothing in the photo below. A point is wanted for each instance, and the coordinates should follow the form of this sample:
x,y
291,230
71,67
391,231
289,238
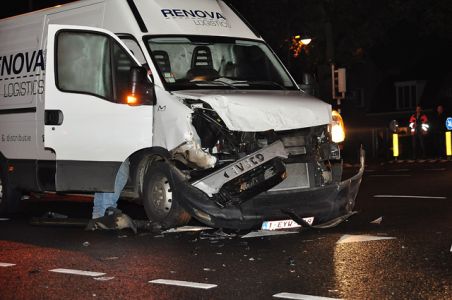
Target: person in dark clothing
x,y
438,130
419,128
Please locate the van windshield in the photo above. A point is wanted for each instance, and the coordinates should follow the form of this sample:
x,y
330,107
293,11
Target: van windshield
x,y
200,62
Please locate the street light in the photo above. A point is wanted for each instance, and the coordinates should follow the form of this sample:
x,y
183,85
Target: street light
x,y
297,43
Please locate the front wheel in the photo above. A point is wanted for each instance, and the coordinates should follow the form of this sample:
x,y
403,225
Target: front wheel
x,y
160,203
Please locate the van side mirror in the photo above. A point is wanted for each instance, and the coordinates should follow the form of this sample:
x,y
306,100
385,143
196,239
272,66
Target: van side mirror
x,y
141,91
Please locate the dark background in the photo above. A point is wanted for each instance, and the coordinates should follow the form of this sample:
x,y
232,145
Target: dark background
x,y
386,46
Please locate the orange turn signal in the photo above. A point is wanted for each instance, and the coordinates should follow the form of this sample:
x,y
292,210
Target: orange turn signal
x,y
132,100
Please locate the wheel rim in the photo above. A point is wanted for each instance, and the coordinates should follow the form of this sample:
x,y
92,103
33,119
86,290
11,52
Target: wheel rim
x,y
162,196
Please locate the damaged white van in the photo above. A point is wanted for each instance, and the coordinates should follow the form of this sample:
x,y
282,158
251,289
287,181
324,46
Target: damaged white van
x,y
214,126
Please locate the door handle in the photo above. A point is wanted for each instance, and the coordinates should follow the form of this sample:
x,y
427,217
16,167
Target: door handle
x,y
53,117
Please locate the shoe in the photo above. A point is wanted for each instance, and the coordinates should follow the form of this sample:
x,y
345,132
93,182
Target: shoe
x,y
113,219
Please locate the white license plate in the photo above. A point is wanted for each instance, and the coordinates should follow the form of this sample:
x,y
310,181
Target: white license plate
x,y
284,224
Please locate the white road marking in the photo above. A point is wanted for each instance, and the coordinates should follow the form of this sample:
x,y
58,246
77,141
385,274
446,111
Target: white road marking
x,y
451,249
301,297
261,233
350,238
195,285
391,175
4,219
77,272
6,265
436,169
409,196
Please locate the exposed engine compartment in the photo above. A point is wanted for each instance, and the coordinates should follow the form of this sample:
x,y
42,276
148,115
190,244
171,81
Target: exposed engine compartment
x,y
310,148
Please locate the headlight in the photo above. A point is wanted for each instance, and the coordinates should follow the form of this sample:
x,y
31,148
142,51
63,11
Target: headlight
x,y
337,128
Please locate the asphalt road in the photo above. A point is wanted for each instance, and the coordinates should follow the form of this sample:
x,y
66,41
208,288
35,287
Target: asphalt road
x,y
412,258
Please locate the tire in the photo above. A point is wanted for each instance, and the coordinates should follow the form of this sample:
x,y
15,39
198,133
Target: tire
x,y
9,196
159,201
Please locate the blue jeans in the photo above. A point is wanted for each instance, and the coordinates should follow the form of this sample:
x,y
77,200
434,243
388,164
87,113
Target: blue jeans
x,y
102,201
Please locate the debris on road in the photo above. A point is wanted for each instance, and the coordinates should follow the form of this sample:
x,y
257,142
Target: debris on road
x,y
263,233
349,238
86,244
377,221
53,215
217,235
109,258
187,229
103,278
291,261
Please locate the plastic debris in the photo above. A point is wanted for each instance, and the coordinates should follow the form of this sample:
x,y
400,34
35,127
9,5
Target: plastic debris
x,y
109,258
187,229
217,235
86,244
348,238
122,236
263,233
53,215
103,278
251,259
377,221
291,261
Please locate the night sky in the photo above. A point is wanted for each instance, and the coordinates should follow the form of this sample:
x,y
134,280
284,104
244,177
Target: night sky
x,y
379,42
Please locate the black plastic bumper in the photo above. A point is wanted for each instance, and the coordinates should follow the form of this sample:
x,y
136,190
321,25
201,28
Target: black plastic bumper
x,y
325,204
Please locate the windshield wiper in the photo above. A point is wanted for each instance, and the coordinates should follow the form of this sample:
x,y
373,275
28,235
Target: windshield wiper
x,y
215,82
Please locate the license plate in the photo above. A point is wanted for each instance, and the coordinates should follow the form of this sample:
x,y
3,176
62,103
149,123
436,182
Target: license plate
x,y
284,224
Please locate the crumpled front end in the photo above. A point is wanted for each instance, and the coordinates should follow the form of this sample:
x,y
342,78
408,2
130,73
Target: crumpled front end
x,y
329,204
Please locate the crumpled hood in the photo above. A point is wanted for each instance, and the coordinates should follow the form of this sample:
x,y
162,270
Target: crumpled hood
x,y
263,110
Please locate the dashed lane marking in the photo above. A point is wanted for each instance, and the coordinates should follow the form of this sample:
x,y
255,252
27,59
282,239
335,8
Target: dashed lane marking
x,y
301,297
4,265
195,285
409,196
436,169
351,238
77,272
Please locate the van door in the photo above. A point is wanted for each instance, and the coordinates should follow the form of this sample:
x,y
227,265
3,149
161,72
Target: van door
x,y
88,123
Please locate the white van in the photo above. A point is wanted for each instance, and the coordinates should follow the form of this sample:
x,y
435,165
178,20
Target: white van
x,y
214,126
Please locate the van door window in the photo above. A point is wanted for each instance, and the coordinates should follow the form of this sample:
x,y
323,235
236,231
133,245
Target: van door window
x,y
121,72
134,48
92,63
83,63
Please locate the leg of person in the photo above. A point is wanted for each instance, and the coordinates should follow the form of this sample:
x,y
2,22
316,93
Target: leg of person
x,y
102,201
413,144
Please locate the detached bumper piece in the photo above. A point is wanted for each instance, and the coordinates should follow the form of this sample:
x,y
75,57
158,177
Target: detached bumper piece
x,y
329,205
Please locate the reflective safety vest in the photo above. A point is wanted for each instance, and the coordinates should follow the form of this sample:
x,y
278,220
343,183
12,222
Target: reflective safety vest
x,y
419,124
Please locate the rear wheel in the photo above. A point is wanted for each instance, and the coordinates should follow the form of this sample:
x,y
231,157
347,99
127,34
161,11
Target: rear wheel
x,y
9,196
160,203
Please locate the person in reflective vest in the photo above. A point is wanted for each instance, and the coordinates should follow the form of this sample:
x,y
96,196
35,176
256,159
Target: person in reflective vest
x,y
419,128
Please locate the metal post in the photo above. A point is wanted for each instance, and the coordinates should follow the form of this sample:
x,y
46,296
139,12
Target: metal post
x,y
395,145
448,144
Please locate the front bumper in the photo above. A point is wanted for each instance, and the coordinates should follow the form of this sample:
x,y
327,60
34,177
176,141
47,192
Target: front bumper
x,y
326,204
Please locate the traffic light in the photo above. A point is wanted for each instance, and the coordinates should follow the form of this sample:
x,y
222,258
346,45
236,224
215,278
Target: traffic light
x,y
339,82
